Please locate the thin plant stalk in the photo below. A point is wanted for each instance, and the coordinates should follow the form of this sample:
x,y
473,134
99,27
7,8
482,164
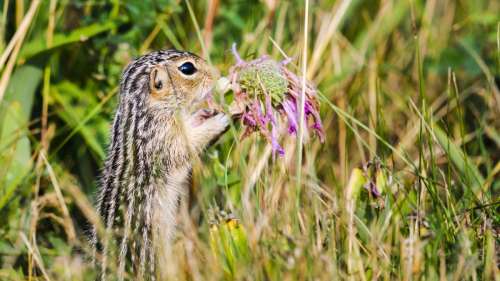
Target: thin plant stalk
x,y
302,100
206,55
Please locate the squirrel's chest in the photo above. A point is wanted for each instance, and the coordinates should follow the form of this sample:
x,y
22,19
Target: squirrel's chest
x,y
169,192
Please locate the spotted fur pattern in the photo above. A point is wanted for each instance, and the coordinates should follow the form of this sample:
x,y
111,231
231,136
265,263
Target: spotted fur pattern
x,y
153,141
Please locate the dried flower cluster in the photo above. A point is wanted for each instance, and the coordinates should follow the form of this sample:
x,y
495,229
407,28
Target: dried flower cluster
x,y
268,92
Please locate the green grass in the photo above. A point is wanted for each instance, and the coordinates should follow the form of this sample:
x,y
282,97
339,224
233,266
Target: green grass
x,y
410,102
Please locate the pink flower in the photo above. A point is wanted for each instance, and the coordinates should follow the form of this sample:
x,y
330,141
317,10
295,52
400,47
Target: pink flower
x,y
260,113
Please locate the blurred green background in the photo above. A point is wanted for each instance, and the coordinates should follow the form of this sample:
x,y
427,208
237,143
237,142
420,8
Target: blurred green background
x,y
410,103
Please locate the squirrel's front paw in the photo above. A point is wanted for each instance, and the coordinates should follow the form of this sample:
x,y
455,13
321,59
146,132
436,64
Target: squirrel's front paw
x,y
218,123
209,119
206,126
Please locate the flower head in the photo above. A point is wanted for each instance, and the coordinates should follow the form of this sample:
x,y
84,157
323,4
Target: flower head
x,y
270,93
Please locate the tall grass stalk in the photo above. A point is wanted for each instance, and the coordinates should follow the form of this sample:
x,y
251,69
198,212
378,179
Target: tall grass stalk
x,y
302,101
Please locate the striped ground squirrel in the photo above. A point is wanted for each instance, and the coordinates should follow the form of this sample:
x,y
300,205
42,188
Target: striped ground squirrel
x,y
157,131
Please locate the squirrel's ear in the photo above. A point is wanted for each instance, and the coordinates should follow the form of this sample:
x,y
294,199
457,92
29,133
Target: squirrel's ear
x,y
158,81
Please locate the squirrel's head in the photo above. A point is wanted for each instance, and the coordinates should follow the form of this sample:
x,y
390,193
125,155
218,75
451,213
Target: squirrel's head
x,y
168,80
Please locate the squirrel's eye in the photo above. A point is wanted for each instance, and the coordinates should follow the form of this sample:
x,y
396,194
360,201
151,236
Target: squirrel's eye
x,y
187,68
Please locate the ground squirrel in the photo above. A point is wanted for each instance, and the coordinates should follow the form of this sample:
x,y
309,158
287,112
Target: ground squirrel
x,y
157,130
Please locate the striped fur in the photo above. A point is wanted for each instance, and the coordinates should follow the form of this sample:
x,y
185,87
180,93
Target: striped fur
x,y
153,142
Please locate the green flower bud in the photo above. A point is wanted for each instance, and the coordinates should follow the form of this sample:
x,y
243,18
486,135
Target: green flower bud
x,y
264,78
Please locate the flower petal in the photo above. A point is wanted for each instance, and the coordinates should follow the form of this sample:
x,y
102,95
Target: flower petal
x,y
236,55
290,110
276,147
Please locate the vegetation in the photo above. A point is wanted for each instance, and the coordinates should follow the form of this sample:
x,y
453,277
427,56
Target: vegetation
x,y
405,186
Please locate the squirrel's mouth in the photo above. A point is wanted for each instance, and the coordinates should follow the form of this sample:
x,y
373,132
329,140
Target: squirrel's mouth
x,y
203,108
